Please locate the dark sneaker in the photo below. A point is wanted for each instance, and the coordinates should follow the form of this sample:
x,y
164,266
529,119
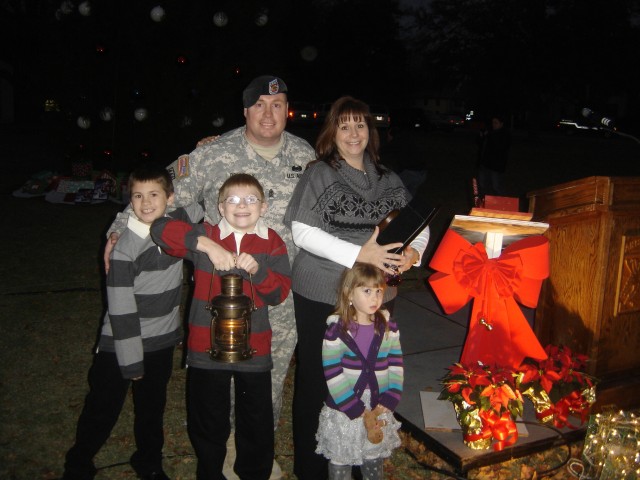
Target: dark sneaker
x,y
155,476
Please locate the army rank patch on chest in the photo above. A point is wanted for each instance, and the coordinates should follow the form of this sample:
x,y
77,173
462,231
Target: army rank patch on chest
x,y
294,173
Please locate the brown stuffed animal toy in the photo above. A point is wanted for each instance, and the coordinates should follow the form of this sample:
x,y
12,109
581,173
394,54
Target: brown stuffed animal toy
x,y
373,425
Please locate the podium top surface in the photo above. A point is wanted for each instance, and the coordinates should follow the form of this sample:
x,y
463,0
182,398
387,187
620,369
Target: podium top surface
x,y
586,194
506,226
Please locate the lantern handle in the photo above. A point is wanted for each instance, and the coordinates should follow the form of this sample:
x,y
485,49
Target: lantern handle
x,y
209,305
253,302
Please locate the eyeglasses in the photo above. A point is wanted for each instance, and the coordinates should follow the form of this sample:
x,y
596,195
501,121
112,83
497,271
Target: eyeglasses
x,y
248,200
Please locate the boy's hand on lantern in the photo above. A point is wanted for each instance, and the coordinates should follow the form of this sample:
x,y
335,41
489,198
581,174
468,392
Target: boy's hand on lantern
x,y
246,262
222,259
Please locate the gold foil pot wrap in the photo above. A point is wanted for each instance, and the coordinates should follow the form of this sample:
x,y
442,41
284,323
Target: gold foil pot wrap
x,y
541,403
589,394
470,422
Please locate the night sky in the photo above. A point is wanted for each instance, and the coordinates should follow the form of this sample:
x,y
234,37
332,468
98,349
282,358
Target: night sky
x,y
98,62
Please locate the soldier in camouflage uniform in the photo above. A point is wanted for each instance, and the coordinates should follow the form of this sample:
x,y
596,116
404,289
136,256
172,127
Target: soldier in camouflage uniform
x,y
277,159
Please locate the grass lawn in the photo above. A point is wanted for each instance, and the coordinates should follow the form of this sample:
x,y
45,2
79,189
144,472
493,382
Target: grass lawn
x,y
51,306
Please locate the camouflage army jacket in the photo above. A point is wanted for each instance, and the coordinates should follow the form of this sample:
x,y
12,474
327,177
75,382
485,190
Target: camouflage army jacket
x,y
197,177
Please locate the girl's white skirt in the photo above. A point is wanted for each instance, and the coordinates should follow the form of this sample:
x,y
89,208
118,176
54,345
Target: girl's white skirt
x,y
344,441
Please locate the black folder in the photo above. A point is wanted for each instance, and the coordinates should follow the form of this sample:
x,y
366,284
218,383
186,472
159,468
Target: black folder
x,y
407,224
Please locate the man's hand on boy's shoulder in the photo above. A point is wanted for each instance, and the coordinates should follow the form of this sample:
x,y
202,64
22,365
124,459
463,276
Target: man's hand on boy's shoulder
x,y
108,248
207,140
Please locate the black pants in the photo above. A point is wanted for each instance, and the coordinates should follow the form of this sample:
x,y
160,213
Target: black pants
x,y
209,425
490,181
102,407
310,388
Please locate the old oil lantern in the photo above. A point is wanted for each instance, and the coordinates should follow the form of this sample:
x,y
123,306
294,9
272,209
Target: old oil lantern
x,y
231,322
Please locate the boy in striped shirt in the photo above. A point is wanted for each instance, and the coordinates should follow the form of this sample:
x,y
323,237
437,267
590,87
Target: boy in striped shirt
x,y
140,331
259,255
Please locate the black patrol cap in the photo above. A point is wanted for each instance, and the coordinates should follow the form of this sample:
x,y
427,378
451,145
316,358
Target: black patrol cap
x,y
262,85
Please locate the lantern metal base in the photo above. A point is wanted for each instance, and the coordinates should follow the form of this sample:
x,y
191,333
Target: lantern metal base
x,y
231,357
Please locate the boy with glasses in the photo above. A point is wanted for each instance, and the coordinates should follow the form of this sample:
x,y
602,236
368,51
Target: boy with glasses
x,y
260,256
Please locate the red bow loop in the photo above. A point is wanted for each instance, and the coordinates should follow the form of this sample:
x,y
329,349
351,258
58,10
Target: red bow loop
x,y
506,274
475,272
568,405
501,427
469,268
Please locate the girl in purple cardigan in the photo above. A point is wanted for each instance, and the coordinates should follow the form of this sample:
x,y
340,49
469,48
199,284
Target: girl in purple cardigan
x,y
362,361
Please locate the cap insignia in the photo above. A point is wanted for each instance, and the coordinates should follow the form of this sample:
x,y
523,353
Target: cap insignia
x,y
273,87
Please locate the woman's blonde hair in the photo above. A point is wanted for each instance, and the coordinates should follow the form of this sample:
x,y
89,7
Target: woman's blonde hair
x,y
360,275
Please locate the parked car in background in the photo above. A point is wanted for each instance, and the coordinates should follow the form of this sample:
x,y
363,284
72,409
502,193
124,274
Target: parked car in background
x,y
573,127
409,118
446,121
323,110
302,113
381,118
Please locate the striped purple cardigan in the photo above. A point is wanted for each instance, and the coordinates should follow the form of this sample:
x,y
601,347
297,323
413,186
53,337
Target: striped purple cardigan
x,y
349,372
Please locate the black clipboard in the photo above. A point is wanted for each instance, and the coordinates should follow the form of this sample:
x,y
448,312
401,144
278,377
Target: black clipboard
x,y
407,224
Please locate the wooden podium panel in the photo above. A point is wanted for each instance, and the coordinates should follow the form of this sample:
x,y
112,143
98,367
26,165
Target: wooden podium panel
x,y
591,300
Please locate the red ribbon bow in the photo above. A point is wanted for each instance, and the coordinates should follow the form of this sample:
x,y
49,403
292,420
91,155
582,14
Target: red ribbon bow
x,y
500,427
498,332
568,405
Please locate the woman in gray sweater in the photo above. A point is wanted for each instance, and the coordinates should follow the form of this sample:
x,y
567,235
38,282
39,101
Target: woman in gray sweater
x,y
333,215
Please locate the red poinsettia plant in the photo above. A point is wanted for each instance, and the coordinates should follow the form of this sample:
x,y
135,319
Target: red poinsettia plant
x,y
487,387
487,398
558,386
486,402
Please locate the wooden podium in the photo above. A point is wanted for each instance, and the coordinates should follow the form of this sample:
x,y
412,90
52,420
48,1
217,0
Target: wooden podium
x,y
591,300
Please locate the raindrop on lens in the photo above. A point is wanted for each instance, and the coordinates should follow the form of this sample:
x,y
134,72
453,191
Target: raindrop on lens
x,y
157,13
140,114
220,19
